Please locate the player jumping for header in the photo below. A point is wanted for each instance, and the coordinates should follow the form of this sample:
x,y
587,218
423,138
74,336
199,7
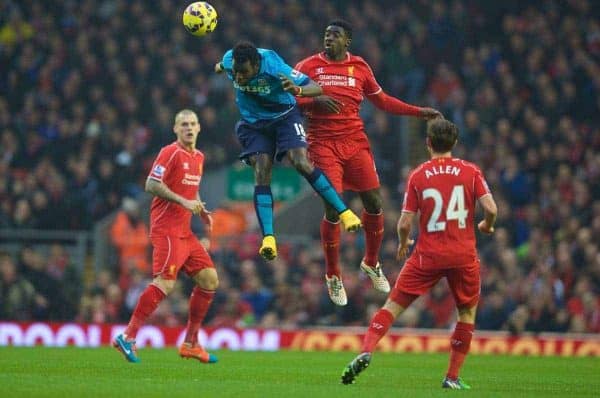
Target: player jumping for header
x,y
338,145
271,128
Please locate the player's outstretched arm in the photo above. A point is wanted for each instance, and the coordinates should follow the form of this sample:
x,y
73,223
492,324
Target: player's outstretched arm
x,y
490,211
393,105
157,188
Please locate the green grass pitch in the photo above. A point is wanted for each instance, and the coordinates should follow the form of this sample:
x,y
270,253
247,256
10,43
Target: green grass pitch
x,y
77,372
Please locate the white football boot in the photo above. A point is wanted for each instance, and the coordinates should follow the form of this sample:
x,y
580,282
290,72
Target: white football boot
x,y
377,276
336,290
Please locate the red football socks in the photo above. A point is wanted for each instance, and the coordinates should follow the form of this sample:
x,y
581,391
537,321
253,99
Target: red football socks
x,y
373,225
460,343
380,324
147,303
200,301
330,240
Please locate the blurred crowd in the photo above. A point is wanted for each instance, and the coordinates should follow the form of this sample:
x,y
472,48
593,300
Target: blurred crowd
x,y
89,89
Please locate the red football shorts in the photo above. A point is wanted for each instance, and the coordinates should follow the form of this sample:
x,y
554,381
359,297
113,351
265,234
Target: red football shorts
x,y
415,280
348,163
170,254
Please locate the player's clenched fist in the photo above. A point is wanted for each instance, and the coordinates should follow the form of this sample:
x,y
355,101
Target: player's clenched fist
x,y
485,228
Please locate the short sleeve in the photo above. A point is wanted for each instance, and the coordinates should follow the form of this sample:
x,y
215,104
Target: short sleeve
x,y
411,199
160,165
227,60
301,66
480,186
277,65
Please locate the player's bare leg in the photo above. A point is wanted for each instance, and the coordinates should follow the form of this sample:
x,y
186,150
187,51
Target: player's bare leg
x,y
373,221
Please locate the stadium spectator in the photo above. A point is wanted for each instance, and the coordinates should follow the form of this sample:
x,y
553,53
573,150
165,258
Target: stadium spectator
x,y
235,312
230,220
129,234
19,299
67,276
32,267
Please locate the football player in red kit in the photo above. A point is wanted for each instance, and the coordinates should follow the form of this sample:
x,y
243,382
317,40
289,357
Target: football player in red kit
x,y
338,145
443,192
175,181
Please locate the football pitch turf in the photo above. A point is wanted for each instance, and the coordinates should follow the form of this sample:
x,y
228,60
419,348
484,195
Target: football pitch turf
x,y
102,372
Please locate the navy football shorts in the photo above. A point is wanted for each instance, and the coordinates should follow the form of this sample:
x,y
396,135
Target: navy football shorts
x,y
274,137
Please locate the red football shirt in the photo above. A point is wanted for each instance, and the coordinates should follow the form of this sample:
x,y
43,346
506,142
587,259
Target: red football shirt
x,y
348,81
181,171
445,191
